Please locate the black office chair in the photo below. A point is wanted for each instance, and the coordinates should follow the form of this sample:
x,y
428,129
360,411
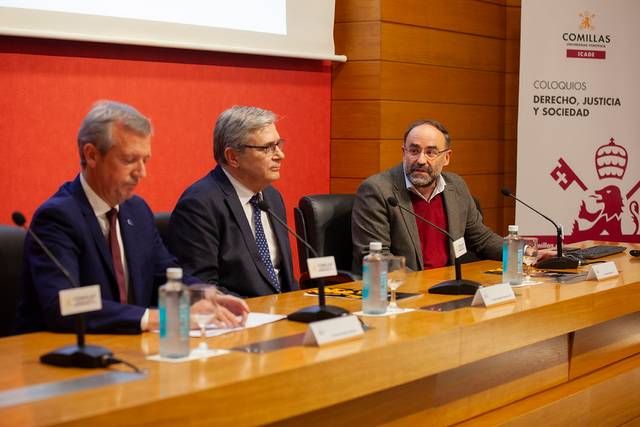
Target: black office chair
x,y
11,249
162,224
324,220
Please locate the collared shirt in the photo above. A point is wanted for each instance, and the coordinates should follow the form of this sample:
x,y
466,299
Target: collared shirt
x,y
100,209
440,186
245,194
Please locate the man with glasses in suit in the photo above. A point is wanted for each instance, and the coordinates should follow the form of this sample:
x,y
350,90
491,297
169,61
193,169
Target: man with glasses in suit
x,y
419,185
217,230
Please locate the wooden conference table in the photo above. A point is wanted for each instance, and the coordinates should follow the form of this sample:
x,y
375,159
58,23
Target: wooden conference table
x,y
561,354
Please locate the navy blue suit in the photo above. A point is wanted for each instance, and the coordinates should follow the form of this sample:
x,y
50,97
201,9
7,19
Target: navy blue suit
x,y
210,235
68,226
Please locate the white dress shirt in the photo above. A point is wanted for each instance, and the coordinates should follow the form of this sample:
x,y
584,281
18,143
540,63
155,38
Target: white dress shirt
x,y
244,194
100,209
440,185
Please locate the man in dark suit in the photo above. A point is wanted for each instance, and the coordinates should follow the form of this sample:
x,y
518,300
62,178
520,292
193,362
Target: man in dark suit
x,y
217,230
103,234
421,187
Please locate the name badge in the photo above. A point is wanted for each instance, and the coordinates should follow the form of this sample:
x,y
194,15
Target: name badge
x,y
80,300
332,330
493,295
459,247
322,267
602,271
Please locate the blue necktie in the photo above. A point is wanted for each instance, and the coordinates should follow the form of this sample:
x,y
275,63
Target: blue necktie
x,y
261,242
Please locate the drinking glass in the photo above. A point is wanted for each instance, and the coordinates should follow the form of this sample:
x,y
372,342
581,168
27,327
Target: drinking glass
x,y
529,256
396,275
203,309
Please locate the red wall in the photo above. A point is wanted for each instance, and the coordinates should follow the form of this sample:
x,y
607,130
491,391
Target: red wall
x,y
47,86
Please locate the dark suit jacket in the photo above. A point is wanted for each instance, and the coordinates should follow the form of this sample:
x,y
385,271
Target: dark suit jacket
x,y
210,235
68,226
373,219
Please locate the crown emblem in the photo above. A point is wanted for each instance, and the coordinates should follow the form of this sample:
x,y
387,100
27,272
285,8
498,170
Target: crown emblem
x,y
611,160
586,21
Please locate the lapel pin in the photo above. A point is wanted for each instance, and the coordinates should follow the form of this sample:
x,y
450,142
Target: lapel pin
x,y
129,222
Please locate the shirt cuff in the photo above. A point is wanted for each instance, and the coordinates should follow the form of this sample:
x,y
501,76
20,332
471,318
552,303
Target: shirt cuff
x,y
144,322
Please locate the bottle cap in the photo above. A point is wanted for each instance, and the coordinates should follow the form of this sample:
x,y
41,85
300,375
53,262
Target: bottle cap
x,y
375,246
513,229
174,273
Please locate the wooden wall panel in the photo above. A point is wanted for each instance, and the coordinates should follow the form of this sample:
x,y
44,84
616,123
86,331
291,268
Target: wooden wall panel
x,y
417,45
345,185
471,17
453,60
360,41
512,81
462,121
407,82
354,11
402,81
352,158
363,119
357,80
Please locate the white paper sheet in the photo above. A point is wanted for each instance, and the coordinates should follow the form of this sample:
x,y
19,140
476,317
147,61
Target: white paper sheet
x,y
254,320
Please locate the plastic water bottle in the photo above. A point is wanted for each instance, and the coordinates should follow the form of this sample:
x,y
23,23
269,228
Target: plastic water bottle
x,y
512,257
174,316
374,275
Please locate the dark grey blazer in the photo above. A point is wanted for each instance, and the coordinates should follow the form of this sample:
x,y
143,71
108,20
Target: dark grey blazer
x,y
210,235
373,219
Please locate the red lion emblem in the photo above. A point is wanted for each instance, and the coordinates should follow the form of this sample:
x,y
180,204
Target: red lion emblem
x,y
608,219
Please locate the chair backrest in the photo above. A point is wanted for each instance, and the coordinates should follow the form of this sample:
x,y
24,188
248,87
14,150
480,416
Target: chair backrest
x,y
324,220
11,249
162,224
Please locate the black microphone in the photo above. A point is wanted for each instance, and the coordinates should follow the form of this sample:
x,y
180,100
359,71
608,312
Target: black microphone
x,y
80,355
557,262
315,312
458,286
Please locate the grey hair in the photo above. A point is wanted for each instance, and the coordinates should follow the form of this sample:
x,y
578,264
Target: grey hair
x,y
235,126
436,124
96,126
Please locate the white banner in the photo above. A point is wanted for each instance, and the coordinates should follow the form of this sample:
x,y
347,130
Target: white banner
x,y
579,119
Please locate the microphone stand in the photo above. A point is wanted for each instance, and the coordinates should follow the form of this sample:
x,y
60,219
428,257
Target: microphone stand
x,y
79,355
558,262
312,313
457,286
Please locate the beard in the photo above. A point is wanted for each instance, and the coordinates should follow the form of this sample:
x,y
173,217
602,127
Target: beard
x,y
419,180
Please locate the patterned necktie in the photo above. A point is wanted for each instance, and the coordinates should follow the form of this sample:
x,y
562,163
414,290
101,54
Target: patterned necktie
x,y
261,242
116,257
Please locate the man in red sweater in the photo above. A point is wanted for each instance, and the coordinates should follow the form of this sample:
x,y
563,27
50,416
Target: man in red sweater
x,y
420,185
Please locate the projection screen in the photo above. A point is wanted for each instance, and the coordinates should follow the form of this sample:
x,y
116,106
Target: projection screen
x,y
288,28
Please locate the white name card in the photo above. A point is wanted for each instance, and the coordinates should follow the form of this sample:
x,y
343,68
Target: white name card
x,y
332,330
493,295
324,266
80,300
602,271
459,247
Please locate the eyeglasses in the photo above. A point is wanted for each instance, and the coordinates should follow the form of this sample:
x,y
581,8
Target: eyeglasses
x,y
431,152
268,149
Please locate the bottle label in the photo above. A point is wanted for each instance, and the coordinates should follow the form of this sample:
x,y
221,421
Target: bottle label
x,y
383,285
519,264
366,280
184,318
505,256
163,321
